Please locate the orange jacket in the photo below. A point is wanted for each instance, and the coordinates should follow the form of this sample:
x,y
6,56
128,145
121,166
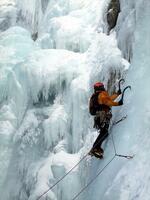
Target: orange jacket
x,y
105,99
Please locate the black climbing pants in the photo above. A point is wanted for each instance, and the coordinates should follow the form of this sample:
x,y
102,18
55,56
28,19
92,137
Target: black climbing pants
x,y
101,123
101,137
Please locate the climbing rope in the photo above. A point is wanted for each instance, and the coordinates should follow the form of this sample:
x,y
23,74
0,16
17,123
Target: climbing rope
x,y
115,155
119,155
67,172
128,157
93,179
62,177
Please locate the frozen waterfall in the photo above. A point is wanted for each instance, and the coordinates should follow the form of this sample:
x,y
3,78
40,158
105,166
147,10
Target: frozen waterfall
x,y
51,53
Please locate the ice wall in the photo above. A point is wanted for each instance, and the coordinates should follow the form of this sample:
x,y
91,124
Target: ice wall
x,y
125,27
70,25
8,14
132,182
126,180
29,14
15,45
35,85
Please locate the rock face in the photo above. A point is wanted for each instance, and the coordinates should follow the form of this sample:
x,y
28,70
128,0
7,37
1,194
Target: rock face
x,y
112,14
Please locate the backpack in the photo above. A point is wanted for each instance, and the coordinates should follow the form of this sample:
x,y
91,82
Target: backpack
x,y
93,104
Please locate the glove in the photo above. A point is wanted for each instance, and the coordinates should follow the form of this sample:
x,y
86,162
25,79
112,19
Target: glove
x,y
120,103
119,92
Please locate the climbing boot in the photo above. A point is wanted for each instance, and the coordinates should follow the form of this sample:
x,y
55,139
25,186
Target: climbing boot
x,y
96,152
101,150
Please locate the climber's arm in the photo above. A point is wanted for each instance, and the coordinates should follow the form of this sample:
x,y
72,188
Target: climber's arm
x,y
106,100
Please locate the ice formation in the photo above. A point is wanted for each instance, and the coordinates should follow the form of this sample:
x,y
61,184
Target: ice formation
x,y
45,85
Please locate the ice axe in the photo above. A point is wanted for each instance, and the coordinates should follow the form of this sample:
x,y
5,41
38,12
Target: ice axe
x,y
119,85
128,87
121,80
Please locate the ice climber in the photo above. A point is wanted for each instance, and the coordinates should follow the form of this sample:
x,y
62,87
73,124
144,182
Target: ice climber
x,y
100,106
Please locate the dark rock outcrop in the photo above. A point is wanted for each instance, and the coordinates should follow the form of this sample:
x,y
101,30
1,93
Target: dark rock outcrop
x,y
112,14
